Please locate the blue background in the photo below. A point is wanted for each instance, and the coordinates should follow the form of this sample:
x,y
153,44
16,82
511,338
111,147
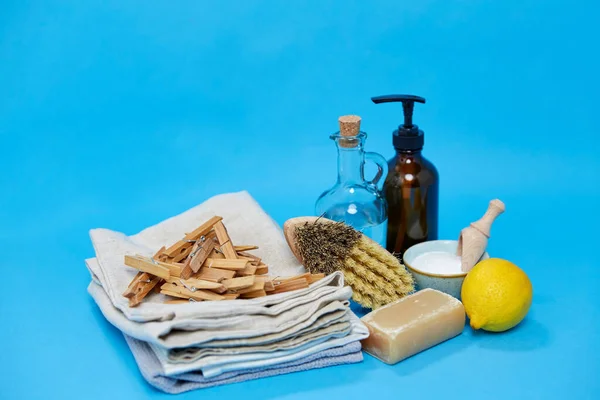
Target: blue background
x,y
119,114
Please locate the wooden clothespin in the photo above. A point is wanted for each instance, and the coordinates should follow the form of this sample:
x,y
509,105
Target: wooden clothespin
x,y
269,287
239,283
200,252
214,274
195,284
178,301
225,241
238,249
139,287
147,265
257,285
216,253
174,268
183,248
186,292
224,263
254,294
293,283
262,269
206,266
254,260
249,270
160,255
131,289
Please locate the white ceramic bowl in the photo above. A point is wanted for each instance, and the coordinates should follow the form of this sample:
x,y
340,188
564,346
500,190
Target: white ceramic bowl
x,y
451,283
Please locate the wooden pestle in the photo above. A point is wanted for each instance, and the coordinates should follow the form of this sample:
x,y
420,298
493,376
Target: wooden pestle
x,y
474,238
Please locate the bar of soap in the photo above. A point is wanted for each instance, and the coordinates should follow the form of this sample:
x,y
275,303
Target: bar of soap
x,y
412,324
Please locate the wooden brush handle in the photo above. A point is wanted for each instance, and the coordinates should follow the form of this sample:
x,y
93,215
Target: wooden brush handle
x,y
289,231
484,224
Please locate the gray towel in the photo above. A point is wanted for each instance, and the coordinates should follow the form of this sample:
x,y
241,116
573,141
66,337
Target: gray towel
x,y
181,333
235,340
336,330
151,370
219,364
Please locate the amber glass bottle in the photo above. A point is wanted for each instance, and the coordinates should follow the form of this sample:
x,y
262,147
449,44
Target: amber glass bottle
x,y
412,184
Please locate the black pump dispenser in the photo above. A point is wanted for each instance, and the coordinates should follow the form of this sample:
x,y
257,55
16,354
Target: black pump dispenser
x,y
411,186
408,136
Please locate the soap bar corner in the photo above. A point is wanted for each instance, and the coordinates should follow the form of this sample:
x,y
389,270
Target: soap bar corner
x,y
415,323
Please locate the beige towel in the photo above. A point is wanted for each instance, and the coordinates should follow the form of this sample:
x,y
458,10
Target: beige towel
x,y
226,335
335,329
303,319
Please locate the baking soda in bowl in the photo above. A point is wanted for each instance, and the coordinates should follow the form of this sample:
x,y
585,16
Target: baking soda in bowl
x,y
438,262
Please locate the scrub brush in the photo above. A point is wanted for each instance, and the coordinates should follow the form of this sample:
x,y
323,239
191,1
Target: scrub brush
x,y
325,246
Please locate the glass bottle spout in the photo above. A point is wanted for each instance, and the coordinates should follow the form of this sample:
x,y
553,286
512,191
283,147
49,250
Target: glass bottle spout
x,y
352,159
353,199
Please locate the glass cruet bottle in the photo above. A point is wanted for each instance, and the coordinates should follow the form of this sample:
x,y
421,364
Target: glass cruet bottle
x,y
353,200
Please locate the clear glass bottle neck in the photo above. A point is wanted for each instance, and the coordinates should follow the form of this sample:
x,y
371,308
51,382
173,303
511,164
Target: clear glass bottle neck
x,y
350,164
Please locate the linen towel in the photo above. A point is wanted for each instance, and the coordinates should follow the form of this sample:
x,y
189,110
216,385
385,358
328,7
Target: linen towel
x,y
151,370
219,364
263,328
273,304
323,319
232,340
247,223
338,328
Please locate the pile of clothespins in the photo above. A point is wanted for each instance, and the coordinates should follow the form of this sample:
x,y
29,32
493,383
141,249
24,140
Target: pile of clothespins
x,y
205,265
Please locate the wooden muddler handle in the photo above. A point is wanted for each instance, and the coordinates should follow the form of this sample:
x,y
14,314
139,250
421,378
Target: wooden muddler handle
x,y
484,224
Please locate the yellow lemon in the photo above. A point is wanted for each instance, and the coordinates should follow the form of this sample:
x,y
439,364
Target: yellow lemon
x,y
496,294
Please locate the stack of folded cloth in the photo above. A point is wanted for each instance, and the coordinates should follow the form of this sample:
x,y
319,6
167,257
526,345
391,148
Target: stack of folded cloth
x,y
180,347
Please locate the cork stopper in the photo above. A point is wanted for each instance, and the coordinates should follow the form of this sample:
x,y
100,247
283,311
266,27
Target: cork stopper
x,y
349,127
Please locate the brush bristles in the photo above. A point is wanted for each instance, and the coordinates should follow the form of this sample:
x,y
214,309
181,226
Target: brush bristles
x,y
385,264
375,276
324,247
380,278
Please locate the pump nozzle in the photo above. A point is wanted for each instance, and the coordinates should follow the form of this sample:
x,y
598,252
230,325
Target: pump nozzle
x,y
408,104
408,136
